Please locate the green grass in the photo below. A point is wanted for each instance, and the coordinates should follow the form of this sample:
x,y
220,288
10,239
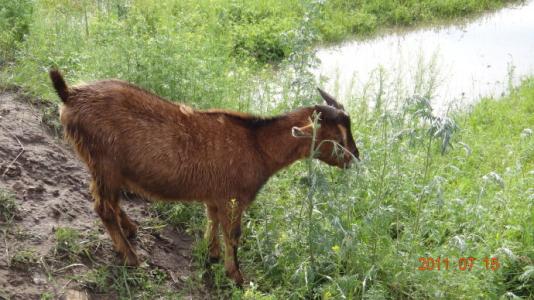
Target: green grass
x,y
8,206
416,194
67,241
23,259
15,19
341,18
428,186
370,225
203,52
71,245
127,283
185,216
47,296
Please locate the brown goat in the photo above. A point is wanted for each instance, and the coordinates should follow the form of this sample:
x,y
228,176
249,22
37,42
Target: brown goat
x,y
133,140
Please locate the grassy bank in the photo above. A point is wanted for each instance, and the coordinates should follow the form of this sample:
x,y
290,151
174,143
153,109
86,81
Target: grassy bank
x,y
414,196
455,188
341,18
428,186
168,47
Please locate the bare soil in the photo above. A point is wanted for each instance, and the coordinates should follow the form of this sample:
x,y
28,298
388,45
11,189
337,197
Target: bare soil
x,y
50,185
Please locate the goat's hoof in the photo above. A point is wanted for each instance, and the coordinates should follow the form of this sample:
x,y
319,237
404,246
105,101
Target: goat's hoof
x,y
131,234
131,260
130,230
236,277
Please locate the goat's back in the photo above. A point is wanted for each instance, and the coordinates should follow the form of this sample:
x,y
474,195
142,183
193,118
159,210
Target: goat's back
x,y
158,148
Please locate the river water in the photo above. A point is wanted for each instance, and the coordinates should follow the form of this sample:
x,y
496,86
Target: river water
x,y
469,59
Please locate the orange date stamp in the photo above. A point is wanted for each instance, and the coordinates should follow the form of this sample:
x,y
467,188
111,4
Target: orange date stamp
x,y
461,264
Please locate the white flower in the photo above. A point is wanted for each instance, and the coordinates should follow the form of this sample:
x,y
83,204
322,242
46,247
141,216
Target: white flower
x,y
526,132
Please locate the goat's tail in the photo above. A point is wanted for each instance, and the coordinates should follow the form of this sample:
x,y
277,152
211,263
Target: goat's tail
x,y
59,84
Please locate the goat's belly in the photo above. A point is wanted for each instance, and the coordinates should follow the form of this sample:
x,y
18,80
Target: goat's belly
x,y
186,189
155,193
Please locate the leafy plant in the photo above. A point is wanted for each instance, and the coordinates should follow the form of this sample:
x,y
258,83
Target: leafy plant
x,y
24,258
15,20
8,206
429,185
125,281
68,242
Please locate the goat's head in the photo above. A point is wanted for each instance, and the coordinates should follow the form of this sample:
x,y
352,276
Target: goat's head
x,y
333,136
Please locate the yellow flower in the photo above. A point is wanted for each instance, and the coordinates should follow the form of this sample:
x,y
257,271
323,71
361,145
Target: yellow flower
x,y
335,248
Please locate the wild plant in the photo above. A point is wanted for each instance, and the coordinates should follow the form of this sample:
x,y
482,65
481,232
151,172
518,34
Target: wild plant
x,y
8,206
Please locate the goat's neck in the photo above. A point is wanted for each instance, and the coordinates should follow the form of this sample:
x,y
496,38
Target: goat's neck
x,y
278,146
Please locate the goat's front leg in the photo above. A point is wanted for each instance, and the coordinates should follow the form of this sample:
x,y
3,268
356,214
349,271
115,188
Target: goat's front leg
x,y
212,234
230,219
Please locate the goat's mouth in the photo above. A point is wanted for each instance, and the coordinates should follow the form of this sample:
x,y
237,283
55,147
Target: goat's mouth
x,y
350,161
349,164
345,163
342,160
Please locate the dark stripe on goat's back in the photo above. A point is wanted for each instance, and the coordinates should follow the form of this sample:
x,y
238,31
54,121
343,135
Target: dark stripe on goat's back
x,y
247,120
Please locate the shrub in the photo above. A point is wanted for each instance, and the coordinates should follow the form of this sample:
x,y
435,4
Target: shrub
x,y
15,20
8,206
68,242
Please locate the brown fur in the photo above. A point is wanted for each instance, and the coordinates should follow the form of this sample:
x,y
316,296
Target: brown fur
x,y
132,139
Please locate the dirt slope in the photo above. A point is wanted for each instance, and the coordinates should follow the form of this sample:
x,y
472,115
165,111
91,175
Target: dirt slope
x,y
51,189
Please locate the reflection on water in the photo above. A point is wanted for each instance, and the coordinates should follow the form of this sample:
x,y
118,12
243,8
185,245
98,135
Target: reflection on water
x,y
472,60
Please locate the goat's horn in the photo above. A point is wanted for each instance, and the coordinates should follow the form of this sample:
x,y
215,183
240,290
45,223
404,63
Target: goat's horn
x,y
330,100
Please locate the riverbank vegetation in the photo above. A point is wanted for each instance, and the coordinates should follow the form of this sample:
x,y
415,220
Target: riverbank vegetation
x,y
438,187
127,37
448,187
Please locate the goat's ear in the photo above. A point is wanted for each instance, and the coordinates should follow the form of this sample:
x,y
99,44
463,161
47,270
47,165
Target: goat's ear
x,y
330,100
300,132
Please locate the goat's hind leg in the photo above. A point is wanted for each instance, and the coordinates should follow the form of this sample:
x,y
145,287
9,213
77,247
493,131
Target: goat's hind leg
x,y
212,234
107,207
230,220
128,226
